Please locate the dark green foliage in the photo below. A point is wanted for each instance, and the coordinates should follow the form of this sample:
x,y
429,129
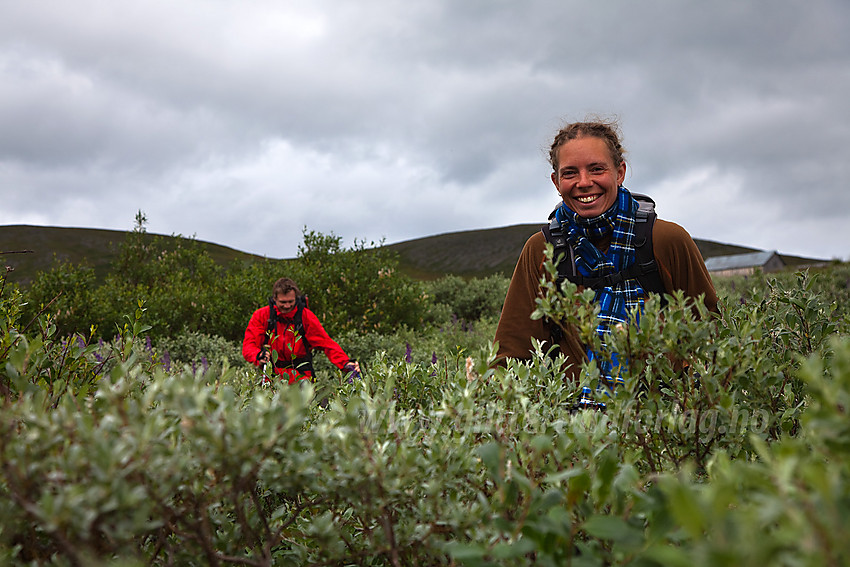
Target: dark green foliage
x,y
469,299
39,361
174,277
356,289
67,292
184,290
197,350
242,289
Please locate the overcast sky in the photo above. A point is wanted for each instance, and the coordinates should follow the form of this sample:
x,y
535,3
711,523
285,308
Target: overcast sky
x,y
240,123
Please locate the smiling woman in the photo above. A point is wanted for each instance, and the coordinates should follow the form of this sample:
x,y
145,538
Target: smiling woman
x,y
586,176
588,165
604,227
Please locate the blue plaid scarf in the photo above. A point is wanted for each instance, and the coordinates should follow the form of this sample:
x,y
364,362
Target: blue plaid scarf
x,y
615,302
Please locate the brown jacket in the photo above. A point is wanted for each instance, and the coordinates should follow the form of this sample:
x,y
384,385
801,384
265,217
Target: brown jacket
x,y
679,261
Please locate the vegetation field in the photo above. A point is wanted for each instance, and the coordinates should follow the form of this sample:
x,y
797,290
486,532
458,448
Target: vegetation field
x,y
132,432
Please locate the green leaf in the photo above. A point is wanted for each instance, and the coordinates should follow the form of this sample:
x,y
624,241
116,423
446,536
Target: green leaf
x,y
466,552
668,555
612,528
686,508
491,456
515,549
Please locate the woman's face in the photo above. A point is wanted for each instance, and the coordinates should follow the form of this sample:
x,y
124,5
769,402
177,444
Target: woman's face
x,y
587,177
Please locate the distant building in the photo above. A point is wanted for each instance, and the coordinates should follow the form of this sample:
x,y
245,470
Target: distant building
x,y
745,264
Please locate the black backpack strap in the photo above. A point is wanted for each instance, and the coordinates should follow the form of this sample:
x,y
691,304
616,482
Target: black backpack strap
x,y
563,253
271,325
564,256
645,268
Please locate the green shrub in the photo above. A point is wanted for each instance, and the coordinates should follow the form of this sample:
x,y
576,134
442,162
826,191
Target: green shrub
x,y
356,289
500,471
184,291
64,291
470,299
198,350
696,377
419,463
36,358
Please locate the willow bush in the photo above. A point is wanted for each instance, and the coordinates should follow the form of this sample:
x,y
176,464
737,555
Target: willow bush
x,y
728,443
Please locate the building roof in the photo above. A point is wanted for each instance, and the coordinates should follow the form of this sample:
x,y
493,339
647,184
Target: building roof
x,y
736,261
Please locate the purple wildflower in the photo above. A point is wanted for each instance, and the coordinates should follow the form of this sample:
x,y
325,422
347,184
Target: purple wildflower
x,y
407,355
166,361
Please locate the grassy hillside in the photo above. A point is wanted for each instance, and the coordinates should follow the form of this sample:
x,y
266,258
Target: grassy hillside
x,y
95,247
472,253
467,253
484,252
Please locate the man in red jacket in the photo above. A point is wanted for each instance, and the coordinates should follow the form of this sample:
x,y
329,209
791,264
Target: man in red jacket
x,y
289,338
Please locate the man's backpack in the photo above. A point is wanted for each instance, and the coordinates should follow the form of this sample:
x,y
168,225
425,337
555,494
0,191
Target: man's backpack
x,y
644,269
301,364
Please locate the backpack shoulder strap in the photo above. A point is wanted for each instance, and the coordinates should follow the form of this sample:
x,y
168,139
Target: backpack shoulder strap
x,y
272,322
301,303
298,318
563,253
645,268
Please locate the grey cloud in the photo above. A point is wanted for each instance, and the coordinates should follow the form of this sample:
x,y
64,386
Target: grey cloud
x,y
383,106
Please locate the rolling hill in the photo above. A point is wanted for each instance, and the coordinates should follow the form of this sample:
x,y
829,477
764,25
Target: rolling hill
x,y
36,248
477,253
472,253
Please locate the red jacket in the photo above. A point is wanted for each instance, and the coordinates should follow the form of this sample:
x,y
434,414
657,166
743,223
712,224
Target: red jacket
x,y
287,343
